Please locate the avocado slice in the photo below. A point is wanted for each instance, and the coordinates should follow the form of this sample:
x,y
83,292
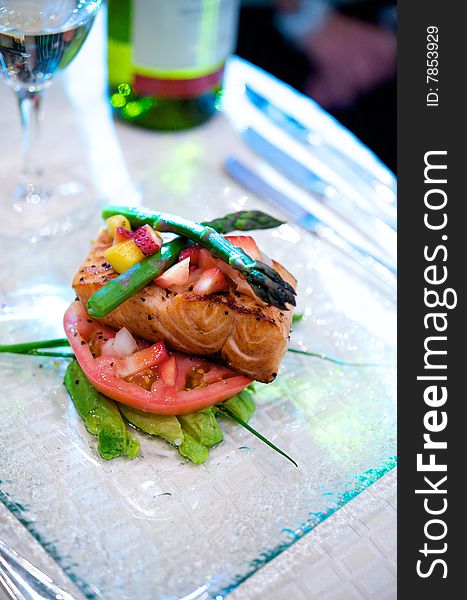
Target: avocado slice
x,y
193,450
100,415
242,404
165,426
202,426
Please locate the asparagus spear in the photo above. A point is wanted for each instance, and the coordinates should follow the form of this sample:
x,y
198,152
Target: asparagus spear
x,y
264,280
101,416
243,220
117,290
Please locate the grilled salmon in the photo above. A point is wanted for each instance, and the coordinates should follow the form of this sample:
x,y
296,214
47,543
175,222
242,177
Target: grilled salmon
x,y
245,334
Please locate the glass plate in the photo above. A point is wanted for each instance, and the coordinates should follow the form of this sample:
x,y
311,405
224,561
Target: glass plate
x,y
158,526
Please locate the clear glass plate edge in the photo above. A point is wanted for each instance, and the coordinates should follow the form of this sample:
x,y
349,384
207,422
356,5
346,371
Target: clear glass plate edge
x,y
365,481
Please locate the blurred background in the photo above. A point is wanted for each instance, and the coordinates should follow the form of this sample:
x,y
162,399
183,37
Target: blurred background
x,y
340,53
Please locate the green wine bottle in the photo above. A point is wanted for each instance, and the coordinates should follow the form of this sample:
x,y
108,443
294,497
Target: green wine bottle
x,y
166,59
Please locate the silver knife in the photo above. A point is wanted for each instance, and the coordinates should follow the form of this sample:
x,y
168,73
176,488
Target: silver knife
x,y
23,581
369,226
256,184
330,153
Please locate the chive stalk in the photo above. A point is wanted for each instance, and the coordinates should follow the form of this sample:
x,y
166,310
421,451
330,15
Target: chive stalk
x,y
24,347
336,361
225,410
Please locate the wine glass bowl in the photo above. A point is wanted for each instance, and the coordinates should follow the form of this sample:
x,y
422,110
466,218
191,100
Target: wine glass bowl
x,y
33,48
37,39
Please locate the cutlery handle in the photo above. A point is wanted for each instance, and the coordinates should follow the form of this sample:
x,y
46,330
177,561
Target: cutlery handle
x,y
363,220
253,182
23,581
329,153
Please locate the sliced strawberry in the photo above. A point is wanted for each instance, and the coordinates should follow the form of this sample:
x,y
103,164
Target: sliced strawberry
x,y
237,279
122,235
246,243
211,281
194,275
147,240
141,360
192,252
206,261
176,275
168,370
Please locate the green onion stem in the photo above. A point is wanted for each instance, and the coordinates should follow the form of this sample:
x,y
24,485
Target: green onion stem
x,y
336,361
26,346
244,424
50,354
35,347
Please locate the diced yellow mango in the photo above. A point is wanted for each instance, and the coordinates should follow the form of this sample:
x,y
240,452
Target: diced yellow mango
x,y
117,221
124,255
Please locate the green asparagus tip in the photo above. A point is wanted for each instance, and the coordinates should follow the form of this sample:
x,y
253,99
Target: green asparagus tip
x,y
244,220
269,285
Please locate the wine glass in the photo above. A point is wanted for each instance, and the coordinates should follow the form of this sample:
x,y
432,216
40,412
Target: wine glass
x,y
38,38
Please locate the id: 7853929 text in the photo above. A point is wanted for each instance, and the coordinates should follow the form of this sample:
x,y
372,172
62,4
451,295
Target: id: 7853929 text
x,y
432,62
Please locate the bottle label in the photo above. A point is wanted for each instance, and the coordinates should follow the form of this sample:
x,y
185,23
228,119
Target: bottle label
x,y
180,46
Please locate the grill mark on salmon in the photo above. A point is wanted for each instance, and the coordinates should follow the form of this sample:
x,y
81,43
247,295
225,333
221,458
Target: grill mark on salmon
x,y
247,335
228,303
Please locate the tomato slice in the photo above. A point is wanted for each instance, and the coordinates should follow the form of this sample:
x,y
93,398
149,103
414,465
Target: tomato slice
x,y
216,383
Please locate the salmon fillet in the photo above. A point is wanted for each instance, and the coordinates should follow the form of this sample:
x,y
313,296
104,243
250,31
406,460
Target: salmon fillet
x,y
247,335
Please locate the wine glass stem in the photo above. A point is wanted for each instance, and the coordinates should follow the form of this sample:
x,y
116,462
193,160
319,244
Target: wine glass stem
x,y
31,115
